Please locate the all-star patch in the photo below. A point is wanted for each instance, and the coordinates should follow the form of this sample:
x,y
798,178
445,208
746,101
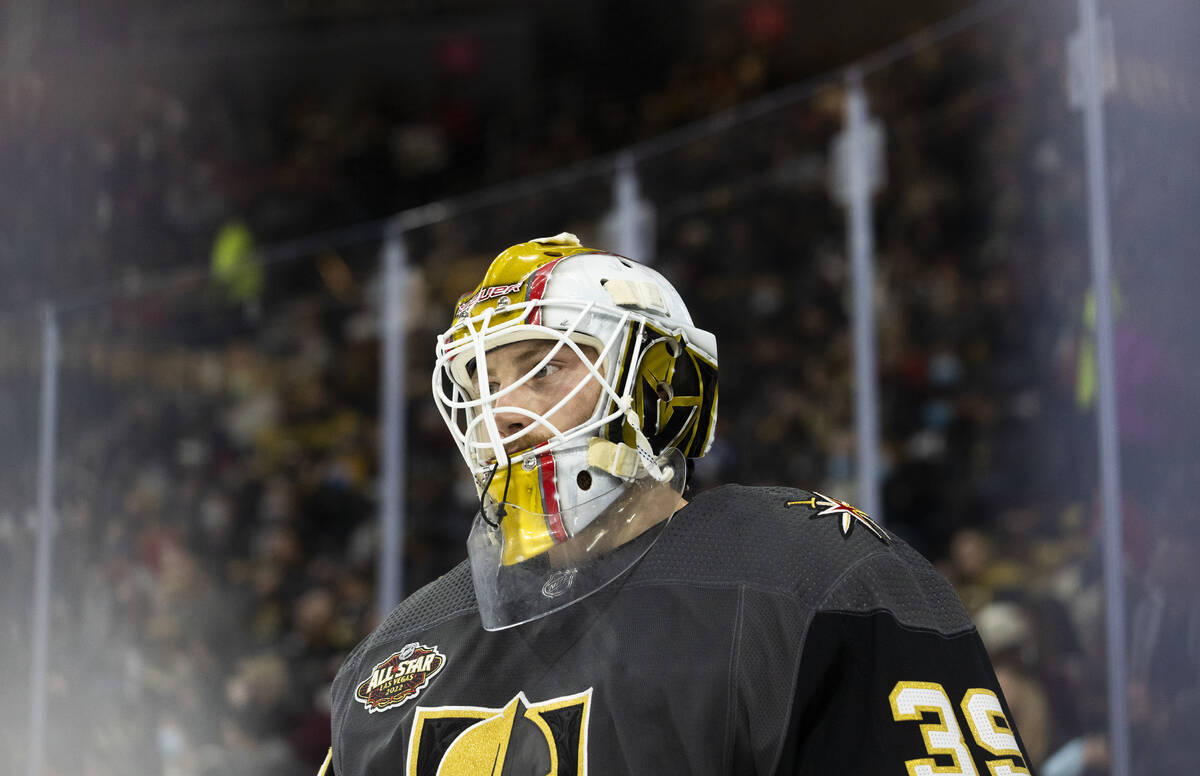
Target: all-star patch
x,y
400,677
849,515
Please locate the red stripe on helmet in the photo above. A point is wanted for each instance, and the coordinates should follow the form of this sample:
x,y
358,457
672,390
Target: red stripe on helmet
x,y
550,498
537,287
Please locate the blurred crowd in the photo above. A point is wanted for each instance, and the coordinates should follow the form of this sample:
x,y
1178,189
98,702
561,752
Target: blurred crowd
x,y
217,475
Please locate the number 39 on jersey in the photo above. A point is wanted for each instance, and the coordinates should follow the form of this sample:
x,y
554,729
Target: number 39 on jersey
x,y
927,704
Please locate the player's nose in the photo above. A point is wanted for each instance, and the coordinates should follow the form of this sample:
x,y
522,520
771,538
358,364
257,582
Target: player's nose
x,y
510,422
509,414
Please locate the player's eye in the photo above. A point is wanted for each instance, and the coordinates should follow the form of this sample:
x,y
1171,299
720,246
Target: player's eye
x,y
545,371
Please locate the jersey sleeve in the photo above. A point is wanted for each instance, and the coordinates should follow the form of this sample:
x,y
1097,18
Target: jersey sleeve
x,y
327,766
893,679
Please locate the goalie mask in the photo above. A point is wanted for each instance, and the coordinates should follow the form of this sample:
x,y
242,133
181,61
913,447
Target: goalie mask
x,y
575,386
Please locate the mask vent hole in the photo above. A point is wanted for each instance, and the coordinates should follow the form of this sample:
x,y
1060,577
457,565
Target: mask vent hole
x,y
584,480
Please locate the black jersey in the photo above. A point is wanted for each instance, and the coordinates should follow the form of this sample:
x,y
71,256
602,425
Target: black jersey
x,y
767,631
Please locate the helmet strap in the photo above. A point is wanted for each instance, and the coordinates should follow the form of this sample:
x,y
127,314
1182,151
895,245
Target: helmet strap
x,y
503,499
626,462
646,453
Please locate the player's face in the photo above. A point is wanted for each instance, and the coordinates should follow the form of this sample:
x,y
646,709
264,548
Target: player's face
x,y
542,391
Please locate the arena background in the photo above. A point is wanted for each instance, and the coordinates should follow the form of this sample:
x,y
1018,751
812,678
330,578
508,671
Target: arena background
x,y
231,231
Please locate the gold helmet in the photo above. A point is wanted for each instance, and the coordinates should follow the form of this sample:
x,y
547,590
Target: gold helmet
x,y
656,405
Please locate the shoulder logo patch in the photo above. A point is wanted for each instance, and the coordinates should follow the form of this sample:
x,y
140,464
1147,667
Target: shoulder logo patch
x,y
400,677
849,515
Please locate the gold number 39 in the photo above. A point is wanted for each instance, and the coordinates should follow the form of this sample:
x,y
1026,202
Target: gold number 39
x,y
984,715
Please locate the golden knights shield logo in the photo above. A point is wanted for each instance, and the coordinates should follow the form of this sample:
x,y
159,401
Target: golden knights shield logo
x,y
400,677
549,737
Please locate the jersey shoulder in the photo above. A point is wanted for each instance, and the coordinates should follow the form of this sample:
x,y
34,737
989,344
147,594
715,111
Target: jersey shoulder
x,y
765,536
448,596
808,545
